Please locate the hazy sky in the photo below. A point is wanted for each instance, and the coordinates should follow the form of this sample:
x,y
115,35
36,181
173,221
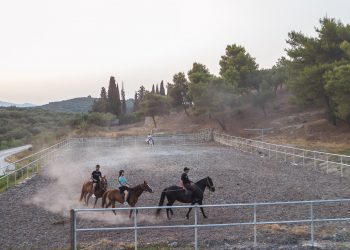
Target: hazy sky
x,y
55,50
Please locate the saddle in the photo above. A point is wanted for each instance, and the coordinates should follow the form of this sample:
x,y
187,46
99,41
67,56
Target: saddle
x,y
123,195
188,191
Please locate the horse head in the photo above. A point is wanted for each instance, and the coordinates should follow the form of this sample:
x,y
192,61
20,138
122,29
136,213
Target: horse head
x,y
146,187
210,184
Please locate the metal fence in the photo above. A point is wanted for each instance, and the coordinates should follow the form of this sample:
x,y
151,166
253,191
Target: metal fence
x,y
331,163
30,165
311,220
177,139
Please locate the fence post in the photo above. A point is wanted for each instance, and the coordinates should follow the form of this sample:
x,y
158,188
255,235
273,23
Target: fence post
x,y
255,241
327,165
7,182
73,224
15,177
195,228
135,227
312,224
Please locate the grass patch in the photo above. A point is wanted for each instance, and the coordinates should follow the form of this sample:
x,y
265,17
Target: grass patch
x,y
18,177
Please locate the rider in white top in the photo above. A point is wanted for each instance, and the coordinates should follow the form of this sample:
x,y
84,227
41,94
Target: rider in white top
x,y
149,139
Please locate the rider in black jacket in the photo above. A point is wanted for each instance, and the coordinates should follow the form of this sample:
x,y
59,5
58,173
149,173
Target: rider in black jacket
x,y
95,177
188,184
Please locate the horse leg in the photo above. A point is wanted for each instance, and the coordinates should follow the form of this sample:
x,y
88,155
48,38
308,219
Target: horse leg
x,y
130,213
170,203
85,194
200,202
167,213
87,199
95,201
113,206
108,204
189,210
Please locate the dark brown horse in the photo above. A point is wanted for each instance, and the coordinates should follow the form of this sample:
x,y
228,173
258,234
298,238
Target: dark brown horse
x,y
86,191
134,194
175,193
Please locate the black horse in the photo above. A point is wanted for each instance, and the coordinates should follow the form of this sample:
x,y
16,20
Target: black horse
x,y
176,193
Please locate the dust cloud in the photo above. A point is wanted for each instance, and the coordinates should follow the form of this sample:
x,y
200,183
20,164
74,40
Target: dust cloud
x,y
73,167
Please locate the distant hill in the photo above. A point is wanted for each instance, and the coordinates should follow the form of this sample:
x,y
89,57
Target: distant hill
x,y
76,105
9,104
79,105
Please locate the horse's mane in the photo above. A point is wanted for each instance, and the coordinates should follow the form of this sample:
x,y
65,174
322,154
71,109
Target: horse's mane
x,y
136,187
204,179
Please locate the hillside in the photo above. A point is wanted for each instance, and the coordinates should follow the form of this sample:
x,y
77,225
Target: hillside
x,y
79,105
76,105
19,126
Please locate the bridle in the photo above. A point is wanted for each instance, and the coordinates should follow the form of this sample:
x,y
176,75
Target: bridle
x,y
210,186
146,187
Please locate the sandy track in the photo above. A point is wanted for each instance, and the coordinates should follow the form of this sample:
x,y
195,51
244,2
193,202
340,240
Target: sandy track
x,y
35,214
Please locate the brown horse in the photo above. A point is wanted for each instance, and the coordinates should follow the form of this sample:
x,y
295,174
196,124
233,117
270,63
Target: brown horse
x,y
134,194
86,191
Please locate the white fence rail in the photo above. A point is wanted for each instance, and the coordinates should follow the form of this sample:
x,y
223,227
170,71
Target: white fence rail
x,y
255,220
297,156
30,165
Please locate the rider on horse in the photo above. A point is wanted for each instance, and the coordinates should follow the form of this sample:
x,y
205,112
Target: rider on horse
x,y
95,177
149,139
124,186
188,184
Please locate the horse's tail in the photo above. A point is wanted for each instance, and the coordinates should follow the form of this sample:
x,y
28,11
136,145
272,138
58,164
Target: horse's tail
x,y
161,201
104,196
82,193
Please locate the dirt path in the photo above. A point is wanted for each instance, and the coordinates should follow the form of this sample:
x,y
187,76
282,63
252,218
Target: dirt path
x,y
35,214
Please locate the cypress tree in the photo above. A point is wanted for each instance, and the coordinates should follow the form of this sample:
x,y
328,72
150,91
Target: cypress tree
x,y
111,96
157,90
118,106
103,101
153,89
136,102
162,89
123,100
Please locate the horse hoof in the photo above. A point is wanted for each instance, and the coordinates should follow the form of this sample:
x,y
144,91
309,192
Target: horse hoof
x,y
205,217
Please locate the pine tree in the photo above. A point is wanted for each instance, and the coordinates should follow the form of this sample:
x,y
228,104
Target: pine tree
x,y
101,104
157,90
123,100
118,106
153,89
162,90
141,93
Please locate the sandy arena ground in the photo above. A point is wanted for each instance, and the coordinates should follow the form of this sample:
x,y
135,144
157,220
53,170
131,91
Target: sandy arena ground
x,y
35,214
